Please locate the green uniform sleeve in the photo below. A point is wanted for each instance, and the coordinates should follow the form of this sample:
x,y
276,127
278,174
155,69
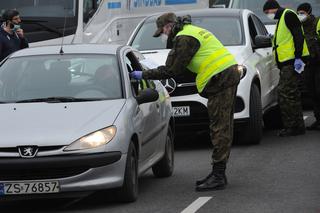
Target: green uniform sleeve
x,y
184,48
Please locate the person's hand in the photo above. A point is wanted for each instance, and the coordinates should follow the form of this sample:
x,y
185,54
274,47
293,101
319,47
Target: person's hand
x,y
298,65
20,33
137,74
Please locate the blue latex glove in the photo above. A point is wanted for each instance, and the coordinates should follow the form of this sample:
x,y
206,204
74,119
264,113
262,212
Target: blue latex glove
x,y
137,74
298,64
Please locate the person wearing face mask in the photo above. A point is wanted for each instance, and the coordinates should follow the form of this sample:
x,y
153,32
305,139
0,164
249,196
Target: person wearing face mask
x,y
11,35
311,27
291,53
197,50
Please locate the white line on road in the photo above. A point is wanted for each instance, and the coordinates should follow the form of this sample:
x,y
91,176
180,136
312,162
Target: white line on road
x,y
196,205
305,117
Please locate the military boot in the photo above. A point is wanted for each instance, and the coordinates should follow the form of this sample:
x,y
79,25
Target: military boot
x,y
216,180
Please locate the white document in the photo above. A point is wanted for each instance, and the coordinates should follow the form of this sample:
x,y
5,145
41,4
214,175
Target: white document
x,y
149,63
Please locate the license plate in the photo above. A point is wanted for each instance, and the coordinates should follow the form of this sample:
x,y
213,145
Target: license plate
x,y
42,187
181,111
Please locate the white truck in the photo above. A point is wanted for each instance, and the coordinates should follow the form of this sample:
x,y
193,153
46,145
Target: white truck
x,y
46,22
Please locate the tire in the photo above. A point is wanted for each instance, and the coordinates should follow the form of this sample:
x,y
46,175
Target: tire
x,y
252,133
129,190
164,168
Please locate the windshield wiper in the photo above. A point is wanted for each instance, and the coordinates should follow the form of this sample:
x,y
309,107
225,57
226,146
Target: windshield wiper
x,y
40,23
58,100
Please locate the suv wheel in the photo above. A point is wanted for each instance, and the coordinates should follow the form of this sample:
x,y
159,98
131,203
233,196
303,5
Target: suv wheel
x,y
252,132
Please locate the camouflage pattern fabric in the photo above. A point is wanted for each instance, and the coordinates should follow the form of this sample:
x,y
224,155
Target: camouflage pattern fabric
x,y
290,98
312,79
220,110
184,48
312,38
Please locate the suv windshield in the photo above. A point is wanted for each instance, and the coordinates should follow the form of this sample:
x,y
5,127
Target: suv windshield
x,y
44,19
257,5
66,78
227,29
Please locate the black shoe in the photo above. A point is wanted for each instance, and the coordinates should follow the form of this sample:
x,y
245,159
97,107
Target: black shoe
x,y
291,132
314,126
202,180
215,182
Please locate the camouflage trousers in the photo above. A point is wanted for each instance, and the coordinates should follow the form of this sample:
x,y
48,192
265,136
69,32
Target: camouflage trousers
x,y
290,98
221,109
312,75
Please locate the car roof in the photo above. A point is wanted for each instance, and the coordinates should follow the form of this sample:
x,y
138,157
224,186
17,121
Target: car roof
x,y
69,49
219,12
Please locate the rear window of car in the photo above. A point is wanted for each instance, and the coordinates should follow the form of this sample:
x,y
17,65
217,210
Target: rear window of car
x,y
78,76
227,29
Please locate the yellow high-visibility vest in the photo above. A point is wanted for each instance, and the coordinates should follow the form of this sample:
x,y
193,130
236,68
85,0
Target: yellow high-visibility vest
x,y
211,58
283,41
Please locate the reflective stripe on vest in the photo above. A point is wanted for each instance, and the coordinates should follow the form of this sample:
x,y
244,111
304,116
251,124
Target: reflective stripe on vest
x,y
284,43
211,58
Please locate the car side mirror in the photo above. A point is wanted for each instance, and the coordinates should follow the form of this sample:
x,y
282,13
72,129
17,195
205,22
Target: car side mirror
x,y
262,41
147,95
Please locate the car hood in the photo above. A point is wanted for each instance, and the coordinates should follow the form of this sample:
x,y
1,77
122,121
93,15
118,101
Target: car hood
x,y
160,56
54,124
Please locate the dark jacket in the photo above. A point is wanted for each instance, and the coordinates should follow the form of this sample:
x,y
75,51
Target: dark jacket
x,y
10,43
293,23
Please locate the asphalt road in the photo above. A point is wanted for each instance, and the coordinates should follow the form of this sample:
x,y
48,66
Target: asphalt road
x,y
279,175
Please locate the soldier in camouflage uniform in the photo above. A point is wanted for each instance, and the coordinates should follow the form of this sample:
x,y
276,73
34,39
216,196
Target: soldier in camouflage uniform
x,y
220,88
311,26
291,52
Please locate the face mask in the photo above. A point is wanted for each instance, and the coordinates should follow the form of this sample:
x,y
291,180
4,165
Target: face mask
x,y
164,38
271,15
302,17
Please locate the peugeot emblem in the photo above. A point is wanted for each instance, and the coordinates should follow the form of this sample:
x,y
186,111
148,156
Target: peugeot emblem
x,y
170,84
28,151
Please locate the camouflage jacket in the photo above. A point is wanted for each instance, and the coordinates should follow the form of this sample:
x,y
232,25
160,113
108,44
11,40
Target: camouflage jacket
x,y
312,37
184,48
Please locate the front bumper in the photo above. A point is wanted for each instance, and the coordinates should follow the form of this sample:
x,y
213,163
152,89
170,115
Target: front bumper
x,y
77,173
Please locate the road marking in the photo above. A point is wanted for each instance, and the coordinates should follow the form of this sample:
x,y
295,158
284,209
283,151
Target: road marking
x,y
305,117
196,205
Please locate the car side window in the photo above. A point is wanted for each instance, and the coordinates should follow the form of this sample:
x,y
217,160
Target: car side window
x,y
252,29
261,29
133,64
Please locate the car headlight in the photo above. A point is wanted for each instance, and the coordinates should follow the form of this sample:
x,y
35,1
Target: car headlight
x,y
93,140
242,70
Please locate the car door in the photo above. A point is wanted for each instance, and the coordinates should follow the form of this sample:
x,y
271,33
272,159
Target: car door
x,y
272,71
263,59
150,114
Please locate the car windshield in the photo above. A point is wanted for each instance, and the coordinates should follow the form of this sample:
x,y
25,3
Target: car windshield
x,y
63,78
227,29
257,5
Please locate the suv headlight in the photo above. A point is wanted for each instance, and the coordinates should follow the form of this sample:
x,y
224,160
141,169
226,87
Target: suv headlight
x,y
242,70
93,140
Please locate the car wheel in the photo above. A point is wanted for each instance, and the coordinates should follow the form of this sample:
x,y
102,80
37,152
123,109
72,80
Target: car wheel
x,y
252,132
164,168
129,190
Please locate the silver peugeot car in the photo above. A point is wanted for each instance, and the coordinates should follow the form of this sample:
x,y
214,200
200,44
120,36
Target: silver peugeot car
x,y
73,121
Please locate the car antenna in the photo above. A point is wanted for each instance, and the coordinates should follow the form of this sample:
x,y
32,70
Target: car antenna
x,y
64,29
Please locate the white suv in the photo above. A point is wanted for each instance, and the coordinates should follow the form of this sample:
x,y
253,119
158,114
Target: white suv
x,y
245,36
